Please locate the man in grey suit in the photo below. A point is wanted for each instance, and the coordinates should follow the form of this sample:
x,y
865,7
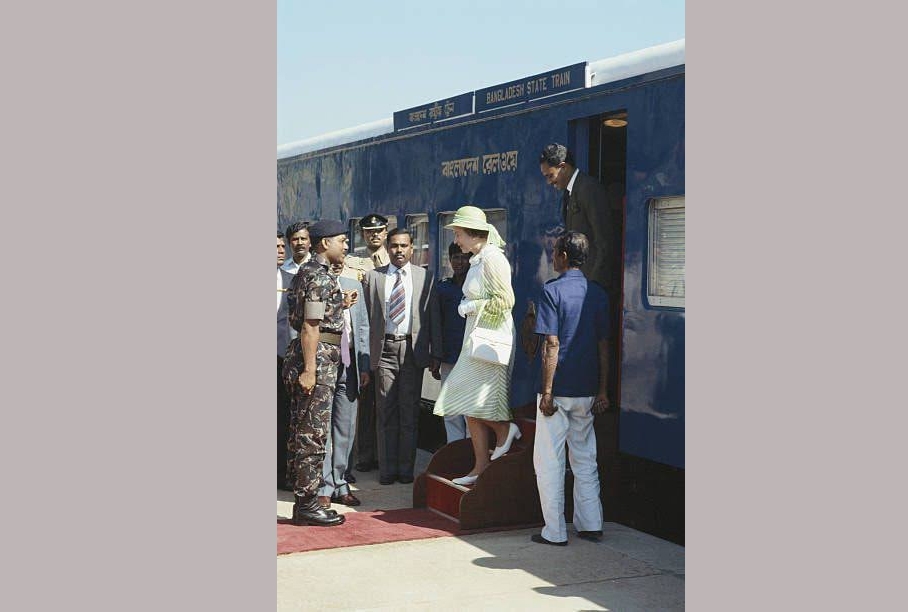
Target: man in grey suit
x,y
402,334
352,375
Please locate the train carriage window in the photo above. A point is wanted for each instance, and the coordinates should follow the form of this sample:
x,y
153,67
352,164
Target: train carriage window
x,y
496,216
419,229
665,266
357,244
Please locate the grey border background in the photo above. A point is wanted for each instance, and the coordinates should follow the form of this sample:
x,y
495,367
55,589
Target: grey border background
x,y
138,159
138,188
795,336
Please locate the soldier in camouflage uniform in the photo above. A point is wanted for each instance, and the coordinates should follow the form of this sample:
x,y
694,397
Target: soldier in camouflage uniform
x,y
374,228
315,305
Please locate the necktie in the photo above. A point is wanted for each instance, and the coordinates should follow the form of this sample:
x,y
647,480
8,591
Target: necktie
x,y
345,340
345,335
398,299
565,200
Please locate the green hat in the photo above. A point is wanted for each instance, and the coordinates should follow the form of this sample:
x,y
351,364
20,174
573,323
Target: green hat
x,y
469,217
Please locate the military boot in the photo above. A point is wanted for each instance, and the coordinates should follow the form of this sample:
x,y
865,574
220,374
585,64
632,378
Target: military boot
x,y
307,511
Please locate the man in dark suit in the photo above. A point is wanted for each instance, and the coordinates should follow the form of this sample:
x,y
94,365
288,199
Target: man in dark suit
x,y
352,375
590,208
402,333
283,339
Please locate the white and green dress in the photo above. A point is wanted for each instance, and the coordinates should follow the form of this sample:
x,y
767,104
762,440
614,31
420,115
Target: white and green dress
x,y
478,388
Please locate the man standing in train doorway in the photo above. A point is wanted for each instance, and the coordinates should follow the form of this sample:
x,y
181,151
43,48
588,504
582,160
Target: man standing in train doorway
x,y
590,208
374,230
315,304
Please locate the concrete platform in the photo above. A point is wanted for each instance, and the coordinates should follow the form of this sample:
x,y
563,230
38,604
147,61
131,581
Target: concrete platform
x,y
628,570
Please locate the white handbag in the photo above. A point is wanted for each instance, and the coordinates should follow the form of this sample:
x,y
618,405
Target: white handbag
x,y
491,345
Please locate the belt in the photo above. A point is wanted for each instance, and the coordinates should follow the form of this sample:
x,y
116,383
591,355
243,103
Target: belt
x,y
330,338
396,337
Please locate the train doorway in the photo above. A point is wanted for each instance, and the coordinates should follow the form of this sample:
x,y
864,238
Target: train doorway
x,y
601,150
608,163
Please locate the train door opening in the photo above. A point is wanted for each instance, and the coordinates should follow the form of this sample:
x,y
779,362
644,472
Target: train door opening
x,y
608,163
605,136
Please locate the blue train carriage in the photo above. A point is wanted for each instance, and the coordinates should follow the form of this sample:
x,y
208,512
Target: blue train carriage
x,y
623,117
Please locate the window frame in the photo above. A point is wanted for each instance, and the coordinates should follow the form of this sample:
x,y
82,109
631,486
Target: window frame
x,y
653,206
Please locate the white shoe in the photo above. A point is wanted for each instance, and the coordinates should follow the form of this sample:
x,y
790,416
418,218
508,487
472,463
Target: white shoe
x,y
465,480
513,434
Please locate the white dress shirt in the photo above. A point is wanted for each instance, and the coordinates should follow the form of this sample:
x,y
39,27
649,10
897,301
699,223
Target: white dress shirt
x,y
407,280
292,267
570,185
280,289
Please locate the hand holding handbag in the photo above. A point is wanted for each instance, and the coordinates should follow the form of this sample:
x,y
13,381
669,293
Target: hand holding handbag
x,y
491,345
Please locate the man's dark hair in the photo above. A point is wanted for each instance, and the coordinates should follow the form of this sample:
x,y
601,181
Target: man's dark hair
x,y
553,154
280,234
575,245
399,230
295,227
453,250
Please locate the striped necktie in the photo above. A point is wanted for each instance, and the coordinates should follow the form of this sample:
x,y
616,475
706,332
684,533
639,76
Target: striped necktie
x,y
396,305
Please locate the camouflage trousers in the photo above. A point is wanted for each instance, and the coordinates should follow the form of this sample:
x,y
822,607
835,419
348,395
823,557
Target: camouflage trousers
x,y
310,424
310,416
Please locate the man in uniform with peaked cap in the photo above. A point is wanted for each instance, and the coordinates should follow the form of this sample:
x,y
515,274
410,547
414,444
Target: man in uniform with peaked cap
x,y
315,307
374,229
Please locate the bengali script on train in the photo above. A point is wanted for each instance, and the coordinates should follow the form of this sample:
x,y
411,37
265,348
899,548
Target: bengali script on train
x,y
491,163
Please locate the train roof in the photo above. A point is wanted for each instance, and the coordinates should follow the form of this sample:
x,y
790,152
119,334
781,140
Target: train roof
x,y
601,71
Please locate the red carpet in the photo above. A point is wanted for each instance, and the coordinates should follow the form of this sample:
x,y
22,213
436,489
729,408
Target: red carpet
x,y
371,528
365,528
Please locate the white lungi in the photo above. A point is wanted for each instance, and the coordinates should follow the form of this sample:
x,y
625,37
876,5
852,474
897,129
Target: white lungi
x,y
571,423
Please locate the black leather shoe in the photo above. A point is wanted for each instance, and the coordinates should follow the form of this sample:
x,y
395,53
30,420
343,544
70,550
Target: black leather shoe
x,y
537,537
349,477
347,499
405,479
592,536
387,480
309,512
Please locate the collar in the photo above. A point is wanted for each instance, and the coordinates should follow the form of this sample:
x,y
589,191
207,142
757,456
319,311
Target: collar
x,y
570,185
321,260
392,269
290,266
572,273
483,252
382,255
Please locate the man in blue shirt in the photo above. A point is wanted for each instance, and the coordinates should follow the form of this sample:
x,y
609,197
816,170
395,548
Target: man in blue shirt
x,y
573,319
448,294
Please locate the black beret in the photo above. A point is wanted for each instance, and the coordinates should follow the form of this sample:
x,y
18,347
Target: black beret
x,y
326,228
373,221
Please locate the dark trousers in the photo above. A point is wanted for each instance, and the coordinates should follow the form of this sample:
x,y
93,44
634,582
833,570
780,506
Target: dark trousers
x,y
397,408
283,426
366,431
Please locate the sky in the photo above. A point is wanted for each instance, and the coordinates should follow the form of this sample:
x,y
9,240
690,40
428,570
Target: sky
x,y
345,63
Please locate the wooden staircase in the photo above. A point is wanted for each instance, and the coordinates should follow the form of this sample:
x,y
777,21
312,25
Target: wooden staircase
x,y
504,495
